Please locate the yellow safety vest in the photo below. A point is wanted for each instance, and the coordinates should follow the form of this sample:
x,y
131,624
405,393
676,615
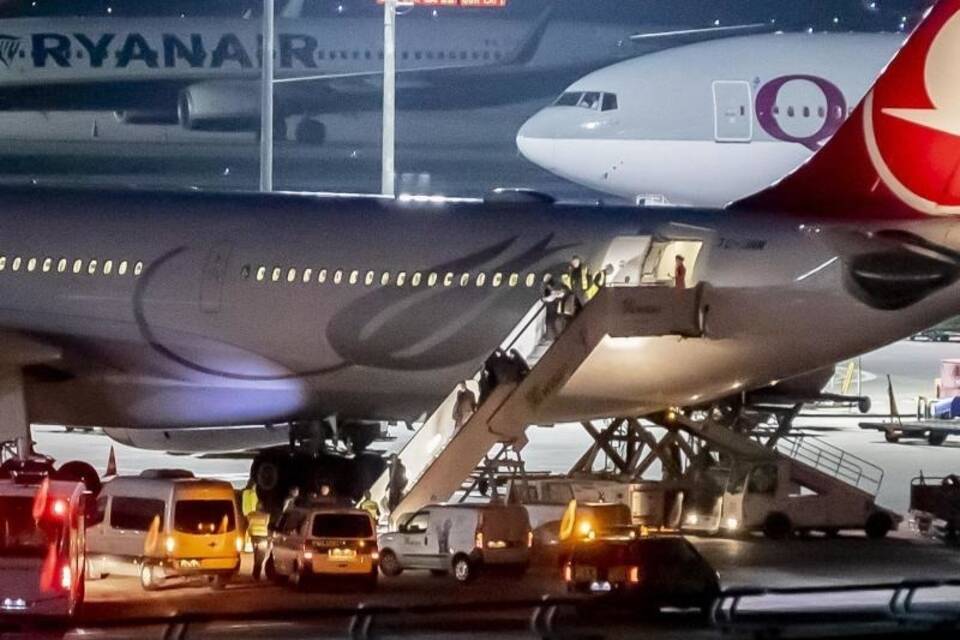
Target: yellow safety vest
x,y
257,522
597,282
585,280
249,501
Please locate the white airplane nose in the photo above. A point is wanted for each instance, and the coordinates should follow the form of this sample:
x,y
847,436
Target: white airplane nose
x,y
534,145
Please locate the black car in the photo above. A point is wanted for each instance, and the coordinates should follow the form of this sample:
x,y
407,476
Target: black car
x,y
648,571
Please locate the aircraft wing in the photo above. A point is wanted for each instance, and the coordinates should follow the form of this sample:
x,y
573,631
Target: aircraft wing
x,y
678,37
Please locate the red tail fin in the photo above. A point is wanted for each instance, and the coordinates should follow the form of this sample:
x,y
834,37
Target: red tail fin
x,y
898,154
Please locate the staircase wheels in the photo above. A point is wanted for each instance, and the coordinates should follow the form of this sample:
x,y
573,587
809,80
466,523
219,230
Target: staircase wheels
x,y
878,525
777,526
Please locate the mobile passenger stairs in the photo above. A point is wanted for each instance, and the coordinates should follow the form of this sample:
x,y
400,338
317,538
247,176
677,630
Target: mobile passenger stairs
x,y
440,460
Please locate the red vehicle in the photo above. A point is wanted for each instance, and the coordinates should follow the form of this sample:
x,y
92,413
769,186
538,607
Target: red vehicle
x,y
41,546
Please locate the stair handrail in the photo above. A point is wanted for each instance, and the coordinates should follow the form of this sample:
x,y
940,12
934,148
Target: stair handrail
x,y
831,460
520,331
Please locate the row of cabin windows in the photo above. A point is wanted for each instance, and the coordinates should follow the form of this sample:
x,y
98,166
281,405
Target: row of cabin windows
x,y
806,112
385,278
78,266
407,55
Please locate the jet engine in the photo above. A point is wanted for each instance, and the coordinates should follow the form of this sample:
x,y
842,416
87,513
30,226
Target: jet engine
x,y
221,105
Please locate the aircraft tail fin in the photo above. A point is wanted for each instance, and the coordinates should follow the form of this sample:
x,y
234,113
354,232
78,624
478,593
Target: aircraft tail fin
x,y
528,48
898,154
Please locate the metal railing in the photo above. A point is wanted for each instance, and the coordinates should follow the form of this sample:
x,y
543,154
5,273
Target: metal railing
x,y
437,431
832,461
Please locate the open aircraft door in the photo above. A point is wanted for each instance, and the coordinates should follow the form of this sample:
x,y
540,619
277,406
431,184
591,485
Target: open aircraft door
x,y
626,255
660,261
732,111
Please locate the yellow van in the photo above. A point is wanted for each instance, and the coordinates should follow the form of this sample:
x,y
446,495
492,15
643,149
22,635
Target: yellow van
x,y
165,524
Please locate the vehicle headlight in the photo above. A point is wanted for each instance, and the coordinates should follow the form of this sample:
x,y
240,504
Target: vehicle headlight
x,y
692,519
731,524
170,544
238,543
585,528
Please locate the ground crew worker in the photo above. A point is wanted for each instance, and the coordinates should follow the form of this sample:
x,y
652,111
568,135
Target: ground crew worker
x,y
464,406
292,497
370,506
248,498
258,522
680,274
518,365
552,294
599,281
569,307
578,279
398,482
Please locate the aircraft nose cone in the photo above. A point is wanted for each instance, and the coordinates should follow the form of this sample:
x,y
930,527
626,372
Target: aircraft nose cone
x,y
535,143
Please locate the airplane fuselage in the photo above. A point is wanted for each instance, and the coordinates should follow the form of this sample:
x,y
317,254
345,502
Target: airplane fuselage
x,y
709,123
239,309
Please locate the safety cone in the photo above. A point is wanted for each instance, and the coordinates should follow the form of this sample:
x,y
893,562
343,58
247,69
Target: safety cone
x,y
111,463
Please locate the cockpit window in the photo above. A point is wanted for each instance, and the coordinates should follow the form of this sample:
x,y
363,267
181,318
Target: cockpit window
x,y
592,100
569,99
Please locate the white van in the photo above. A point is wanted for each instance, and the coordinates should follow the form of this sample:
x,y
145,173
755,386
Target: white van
x,y
41,547
163,524
462,538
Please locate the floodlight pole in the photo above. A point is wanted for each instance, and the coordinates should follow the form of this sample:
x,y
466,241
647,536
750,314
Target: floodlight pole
x,y
266,99
388,176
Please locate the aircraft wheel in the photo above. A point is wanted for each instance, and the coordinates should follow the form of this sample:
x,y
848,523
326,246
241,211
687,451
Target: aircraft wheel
x,y
310,131
80,471
269,475
863,405
891,437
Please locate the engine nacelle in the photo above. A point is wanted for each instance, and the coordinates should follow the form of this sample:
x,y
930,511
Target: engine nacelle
x,y
201,440
222,105
147,116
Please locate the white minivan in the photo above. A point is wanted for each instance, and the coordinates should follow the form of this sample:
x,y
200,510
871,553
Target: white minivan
x,y
463,539
165,524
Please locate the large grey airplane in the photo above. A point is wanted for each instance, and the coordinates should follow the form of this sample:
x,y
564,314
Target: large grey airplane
x,y
151,309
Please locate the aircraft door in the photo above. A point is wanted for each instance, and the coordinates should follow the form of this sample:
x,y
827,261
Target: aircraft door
x,y
214,271
733,111
626,255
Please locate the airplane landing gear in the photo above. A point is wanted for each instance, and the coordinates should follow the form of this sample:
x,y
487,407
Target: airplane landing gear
x,y
310,131
318,455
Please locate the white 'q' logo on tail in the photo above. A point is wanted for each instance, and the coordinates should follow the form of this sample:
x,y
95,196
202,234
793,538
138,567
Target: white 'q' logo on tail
x,y
942,83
